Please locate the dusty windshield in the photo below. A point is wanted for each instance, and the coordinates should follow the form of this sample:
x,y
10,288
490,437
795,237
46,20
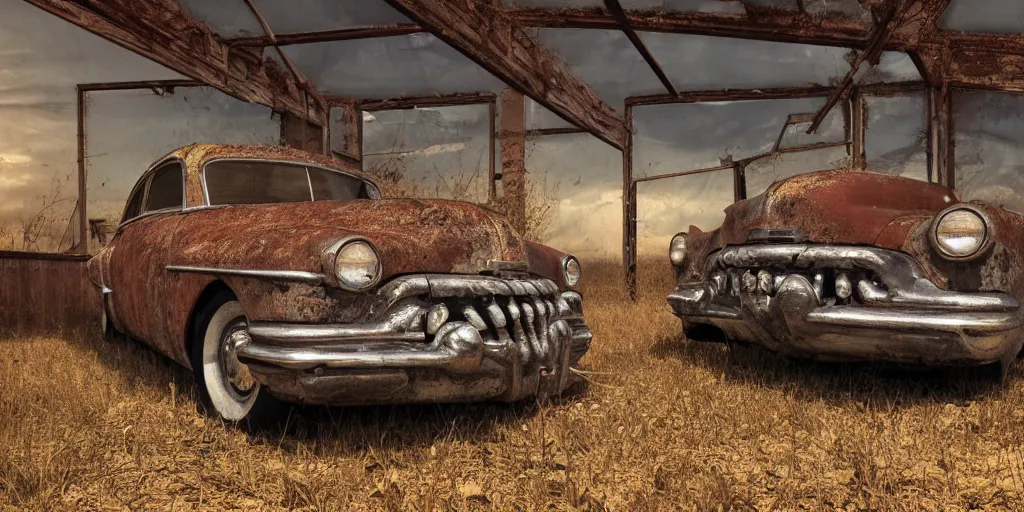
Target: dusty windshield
x,y
261,182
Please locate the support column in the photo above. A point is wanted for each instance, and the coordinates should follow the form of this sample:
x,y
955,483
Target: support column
x,y
940,136
629,208
857,126
301,134
513,157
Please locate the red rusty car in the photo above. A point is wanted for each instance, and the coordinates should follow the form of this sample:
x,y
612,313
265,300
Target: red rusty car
x,y
277,274
853,265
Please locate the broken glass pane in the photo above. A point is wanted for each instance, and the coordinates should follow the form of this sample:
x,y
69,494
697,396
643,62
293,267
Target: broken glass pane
x,y
539,118
668,206
577,180
832,129
42,58
387,67
127,131
989,142
229,18
892,67
439,152
764,171
895,137
696,62
708,6
312,15
687,136
984,16
604,59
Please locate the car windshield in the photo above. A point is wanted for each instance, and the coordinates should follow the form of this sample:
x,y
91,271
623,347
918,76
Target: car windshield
x,y
260,182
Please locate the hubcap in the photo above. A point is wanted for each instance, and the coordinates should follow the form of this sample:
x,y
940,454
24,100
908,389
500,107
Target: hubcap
x,y
236,375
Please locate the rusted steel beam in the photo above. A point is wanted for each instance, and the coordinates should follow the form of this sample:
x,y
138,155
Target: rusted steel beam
x,y
440,100
620,15
513,156
163,31
940,136
143,84
83,221
322,36
857,126
542,132
485,33
492,131
883,30
760,24
629,229
807,91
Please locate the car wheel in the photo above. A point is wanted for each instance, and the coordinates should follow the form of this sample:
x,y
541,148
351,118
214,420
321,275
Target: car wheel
x,y
226,387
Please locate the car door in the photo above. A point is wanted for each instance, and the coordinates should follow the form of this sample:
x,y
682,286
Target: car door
x,y
138,278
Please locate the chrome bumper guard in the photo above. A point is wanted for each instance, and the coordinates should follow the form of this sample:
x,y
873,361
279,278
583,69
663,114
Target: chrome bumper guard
x,y
846,303
430,338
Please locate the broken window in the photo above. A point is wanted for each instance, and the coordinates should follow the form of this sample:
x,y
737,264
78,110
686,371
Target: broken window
x,y
438,152
165,189
984,16
989,141
895,136
696,62
604,59
389,67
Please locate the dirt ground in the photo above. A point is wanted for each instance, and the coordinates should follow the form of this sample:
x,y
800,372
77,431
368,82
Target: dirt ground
x,y
663,425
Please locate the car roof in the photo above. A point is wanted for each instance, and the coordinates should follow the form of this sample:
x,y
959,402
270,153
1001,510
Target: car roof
x,y
197,155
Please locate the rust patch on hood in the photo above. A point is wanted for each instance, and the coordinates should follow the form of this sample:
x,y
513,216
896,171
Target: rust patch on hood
x,y
846,206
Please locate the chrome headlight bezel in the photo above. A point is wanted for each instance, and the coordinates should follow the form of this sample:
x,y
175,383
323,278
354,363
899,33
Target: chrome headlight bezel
x,y
982,248
333,264
677,248
571,278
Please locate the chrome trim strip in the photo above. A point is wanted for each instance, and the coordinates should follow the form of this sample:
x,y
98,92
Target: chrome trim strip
x,y
272,275
945,321
905,281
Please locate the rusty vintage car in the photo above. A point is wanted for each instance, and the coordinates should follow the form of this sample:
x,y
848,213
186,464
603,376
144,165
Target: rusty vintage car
x,y
854,265
275,274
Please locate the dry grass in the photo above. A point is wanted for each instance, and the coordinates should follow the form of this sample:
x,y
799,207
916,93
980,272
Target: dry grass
x,y
85,424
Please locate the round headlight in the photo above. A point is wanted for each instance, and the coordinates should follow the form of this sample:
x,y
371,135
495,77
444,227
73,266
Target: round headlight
x,y
960,233
677,249
571,270
357,266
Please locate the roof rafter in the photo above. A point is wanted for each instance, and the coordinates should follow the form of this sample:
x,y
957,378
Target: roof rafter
x,y
321,36
485,33
164,32
620,15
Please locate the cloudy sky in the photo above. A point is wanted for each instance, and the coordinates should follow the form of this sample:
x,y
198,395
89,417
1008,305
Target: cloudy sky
x,y
444,151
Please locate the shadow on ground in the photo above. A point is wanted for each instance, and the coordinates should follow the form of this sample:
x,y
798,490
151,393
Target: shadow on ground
x,y
837,382
358,427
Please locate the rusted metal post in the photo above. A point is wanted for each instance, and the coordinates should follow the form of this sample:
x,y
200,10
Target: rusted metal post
x,y
629,208
857,127
739,180
492,114
513,156
941,166
83,220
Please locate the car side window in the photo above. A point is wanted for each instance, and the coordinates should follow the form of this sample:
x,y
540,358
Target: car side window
x,y
165,188
134,208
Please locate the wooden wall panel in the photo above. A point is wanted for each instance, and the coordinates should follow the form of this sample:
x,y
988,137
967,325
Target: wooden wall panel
x,y
43,293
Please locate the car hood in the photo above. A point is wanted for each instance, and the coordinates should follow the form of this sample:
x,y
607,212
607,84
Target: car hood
x,y
411,236
848,207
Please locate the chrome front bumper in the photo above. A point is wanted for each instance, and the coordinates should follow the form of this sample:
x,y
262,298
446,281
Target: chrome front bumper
x,y
845,303
429,338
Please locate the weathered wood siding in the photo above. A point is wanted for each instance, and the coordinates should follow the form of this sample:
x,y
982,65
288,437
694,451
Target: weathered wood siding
x,y
46,293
